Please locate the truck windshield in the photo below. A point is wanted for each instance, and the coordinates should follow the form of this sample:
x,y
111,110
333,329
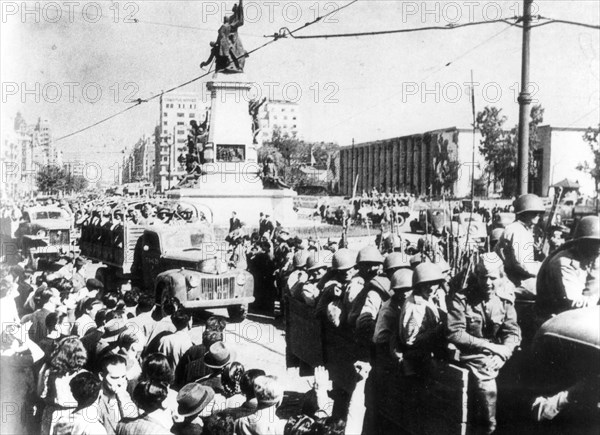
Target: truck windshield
x,y
50,215
185,238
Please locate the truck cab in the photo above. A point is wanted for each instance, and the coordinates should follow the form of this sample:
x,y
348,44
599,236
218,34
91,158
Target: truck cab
x,y
44,232
185,261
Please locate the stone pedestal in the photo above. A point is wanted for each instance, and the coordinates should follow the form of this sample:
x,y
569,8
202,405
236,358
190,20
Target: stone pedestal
x,y
231,180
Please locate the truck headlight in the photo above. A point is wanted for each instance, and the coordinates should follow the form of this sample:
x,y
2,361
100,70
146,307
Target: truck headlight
x,y
240,279
41,233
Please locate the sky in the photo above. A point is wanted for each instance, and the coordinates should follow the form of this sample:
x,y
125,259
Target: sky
x,y
76,63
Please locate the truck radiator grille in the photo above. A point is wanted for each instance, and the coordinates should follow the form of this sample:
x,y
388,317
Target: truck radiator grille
x,y
217,288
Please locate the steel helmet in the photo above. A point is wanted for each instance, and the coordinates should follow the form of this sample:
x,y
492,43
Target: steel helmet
x,y
369,254
343,259
588,228
529,202
417,259
299,259
395,260
313,262
402,279
428,272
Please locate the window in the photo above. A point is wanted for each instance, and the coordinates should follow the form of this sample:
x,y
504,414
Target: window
x,y
165,113
165,131
294,126
181,141
285,118
191,115
294,118
180,115
181,123
180,131
165,123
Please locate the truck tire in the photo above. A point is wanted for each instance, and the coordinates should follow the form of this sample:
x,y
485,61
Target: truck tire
x,y
237,313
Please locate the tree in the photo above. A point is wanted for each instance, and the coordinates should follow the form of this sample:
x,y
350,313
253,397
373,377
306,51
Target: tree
x,y
51,179
591,137
76,184
499,147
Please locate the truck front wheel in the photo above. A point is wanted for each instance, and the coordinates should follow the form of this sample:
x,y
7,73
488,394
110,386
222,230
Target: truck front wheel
x,y
237,313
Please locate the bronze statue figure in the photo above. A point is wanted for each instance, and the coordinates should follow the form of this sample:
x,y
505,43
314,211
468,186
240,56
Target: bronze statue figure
x,y
228,50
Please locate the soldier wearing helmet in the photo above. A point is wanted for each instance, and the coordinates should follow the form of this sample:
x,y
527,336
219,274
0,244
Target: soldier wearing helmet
x,y
387,324
482,324
570,277
331,303
367,282
516,246
421,319
315,268
299,276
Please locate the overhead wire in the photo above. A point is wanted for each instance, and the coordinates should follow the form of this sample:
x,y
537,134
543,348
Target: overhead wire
x,y
140,101
391,96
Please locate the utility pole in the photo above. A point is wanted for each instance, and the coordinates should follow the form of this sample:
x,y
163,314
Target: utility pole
x,y
524,102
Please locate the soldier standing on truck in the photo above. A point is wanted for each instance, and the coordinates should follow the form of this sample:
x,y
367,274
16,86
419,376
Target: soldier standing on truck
x,y
482,324
570,278
517,247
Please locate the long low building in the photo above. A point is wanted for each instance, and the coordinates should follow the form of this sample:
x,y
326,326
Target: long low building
x,y
442,160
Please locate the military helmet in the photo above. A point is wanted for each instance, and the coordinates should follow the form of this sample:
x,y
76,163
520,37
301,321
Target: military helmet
x,y
402,279
428,272
588,228
369,254
299,259
395,260
313,263
529,203
343,259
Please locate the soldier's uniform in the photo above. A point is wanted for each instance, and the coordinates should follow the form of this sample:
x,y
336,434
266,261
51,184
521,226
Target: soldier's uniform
x,y
569,276
516,246
472,323
516,249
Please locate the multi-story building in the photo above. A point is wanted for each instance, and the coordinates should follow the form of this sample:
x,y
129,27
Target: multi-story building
x,y
21,158
416,163
278,114
44,150
170,136
75,168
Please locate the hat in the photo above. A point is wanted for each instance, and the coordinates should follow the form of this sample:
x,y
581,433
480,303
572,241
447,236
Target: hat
x,y
113,329
193,398
94,284
489,262
218,356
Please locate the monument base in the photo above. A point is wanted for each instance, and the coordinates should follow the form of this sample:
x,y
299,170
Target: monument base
x,y
277,203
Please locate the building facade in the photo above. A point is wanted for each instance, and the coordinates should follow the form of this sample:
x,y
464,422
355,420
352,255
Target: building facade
x,y
421,164
444,161
561,150
278,114
170,136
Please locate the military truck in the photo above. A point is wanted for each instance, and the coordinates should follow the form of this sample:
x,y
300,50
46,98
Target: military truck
x,y
44,233
180,258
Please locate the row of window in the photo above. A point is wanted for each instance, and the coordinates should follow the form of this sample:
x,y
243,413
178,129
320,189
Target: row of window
x,y
180,106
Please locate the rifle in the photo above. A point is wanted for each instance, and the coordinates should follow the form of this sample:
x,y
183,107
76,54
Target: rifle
x,y
557,197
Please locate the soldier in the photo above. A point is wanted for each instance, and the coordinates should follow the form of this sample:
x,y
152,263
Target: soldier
x,y
516,247
422,319
315,269
388,319
482,324
330,303
299,276
570,278
369,263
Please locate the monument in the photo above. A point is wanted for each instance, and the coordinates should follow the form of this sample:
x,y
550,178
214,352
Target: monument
x,y
223,169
